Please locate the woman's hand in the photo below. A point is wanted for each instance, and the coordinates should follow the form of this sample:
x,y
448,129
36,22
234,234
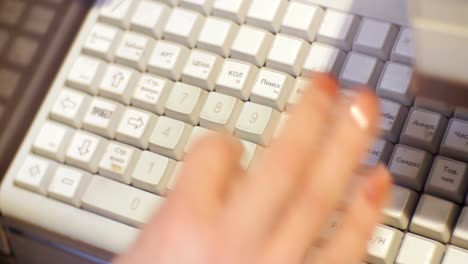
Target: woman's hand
x,y
220,214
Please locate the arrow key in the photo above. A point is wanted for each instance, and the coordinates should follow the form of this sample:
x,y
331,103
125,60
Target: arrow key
x,y
85,151
118,83
69,107
34,174
135,127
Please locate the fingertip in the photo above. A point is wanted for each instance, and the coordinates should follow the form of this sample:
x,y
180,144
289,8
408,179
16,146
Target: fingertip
x,y
327,83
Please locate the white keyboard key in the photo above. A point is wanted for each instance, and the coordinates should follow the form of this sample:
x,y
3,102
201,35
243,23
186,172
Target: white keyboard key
x,y
383,246
460,233
69,107
85,151
135,127
102,117
117,83
400,208
201,69
236,78
202,6
434,218
169,137
257,123
131,206
299,87
380,152
68,185
323,59
118,161
150,18
151,172
134,50
287,54
461,113
360,70
185,103
455,142
266,14
168,60
117,12
85,74
151,93
423,129
220,112
272,88
197,134
455,255
395,83
34,174
302,20
435,105
416,249
448,179
338,29
392,119
409,166
102,41
52,141
183,26
403,51
251,45
375,38
221,42
235,10
251,153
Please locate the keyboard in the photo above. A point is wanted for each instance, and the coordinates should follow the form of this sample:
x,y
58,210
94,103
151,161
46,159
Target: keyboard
x,y
145,79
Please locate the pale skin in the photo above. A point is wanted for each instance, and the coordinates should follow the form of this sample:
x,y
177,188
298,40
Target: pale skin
x,y
274,213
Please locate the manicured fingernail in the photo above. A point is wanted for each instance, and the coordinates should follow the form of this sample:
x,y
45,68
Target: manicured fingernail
x,y
326,83
377,186
364,110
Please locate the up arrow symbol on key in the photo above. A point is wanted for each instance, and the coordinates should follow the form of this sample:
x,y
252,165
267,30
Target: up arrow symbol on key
x,y
117,79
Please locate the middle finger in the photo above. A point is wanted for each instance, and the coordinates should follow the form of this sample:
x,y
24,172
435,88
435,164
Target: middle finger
x,y
355,127
274,179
